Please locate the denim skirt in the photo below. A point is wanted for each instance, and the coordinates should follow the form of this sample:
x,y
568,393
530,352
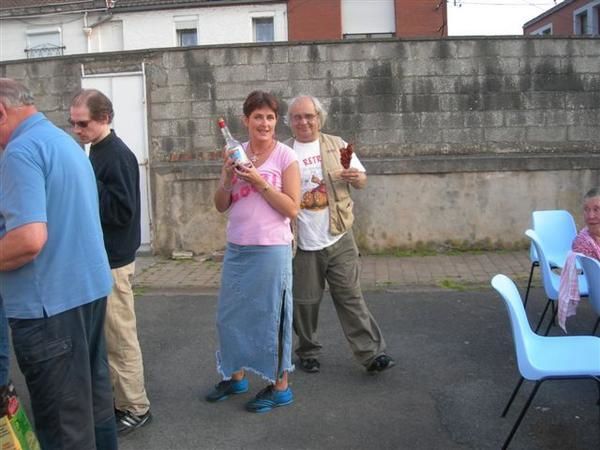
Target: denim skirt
x,y
255,311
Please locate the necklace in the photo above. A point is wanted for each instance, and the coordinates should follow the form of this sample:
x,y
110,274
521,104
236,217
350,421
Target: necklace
x,y
254,157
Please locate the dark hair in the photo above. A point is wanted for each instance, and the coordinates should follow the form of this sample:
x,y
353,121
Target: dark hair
x,y
99,104
594,192
260,99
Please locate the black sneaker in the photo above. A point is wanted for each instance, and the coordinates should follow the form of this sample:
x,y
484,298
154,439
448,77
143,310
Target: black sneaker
x,y
310,365
128,422
381,363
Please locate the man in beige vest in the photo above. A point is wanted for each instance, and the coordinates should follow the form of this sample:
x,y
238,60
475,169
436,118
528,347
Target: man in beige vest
x,y
326,247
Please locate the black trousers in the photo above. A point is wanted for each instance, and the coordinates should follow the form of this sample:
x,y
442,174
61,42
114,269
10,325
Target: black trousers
x,y
63,360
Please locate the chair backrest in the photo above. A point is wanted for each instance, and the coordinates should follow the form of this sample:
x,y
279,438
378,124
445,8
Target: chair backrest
x,y
591,270
557,229
550,280
523,336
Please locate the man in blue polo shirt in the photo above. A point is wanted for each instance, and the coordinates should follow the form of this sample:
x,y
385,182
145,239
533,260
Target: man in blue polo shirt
x,y
3,357
54,276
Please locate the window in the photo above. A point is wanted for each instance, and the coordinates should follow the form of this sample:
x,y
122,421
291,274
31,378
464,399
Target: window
x,y
187,37
581,23
263,29
363,20
586,20
542,31
186,30
367,35
44,42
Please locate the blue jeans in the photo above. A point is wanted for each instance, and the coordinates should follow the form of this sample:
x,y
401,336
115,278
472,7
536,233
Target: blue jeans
x,y
63,360
4,352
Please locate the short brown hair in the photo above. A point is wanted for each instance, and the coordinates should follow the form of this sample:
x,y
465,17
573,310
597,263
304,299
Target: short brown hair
x,y
260,99
99,104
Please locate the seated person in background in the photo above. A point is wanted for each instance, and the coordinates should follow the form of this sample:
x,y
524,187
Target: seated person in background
x,y
587,242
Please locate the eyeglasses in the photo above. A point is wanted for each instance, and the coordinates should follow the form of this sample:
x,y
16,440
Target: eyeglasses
x,y
307,117
79,123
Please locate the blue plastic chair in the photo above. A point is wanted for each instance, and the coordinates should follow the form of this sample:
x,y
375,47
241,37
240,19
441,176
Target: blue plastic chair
x,y
550,279
591,271
541,358
558,229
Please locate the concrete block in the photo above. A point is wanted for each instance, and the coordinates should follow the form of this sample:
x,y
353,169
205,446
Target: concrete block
x,y
582,100
174,59
318,88
559,118
547,134
227,56
458,135
178,77
584,64
181,110
505,134
329,70
309,53
233,74
544,100
204,108
420,135
552,47
585,133
523,117
344,86
585,117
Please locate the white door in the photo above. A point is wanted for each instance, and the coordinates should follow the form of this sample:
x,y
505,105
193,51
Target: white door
x,y
127,94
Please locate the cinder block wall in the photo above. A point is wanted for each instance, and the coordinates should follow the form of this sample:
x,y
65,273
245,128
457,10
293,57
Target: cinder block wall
x,y
462,138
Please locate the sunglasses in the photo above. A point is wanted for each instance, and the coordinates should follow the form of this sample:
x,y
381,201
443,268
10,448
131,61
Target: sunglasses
x,y
79,123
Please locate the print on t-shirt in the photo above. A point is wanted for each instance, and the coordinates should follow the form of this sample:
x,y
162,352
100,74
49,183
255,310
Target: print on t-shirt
x,y
315,193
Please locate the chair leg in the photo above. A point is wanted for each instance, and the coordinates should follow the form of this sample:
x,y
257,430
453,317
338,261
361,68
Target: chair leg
x,y
596,327
554,312
543,315
533,266
520,418
512,396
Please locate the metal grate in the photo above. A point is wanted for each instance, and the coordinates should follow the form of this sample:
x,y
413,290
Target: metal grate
x,y
44,50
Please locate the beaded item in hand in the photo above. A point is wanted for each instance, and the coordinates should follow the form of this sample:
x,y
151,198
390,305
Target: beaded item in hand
x,y
346,156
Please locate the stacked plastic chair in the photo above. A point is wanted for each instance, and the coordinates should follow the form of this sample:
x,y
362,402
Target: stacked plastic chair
x,y
542,358
557,229
550,279
591,271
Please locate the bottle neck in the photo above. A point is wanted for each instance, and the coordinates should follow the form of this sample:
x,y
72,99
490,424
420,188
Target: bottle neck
x,y
226,133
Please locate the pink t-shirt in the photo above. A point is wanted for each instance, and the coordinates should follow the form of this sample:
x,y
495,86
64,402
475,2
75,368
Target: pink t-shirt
x,y
252,221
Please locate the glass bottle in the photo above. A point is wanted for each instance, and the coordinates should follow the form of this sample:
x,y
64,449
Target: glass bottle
x,y
238,155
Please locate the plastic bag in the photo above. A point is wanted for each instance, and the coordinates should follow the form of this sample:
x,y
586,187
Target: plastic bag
x,y
15,429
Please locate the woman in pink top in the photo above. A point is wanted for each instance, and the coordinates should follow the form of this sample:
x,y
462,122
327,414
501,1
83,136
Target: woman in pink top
x,y
587,242
254,316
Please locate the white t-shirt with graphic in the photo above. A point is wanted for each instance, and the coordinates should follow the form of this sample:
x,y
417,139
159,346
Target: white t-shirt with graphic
x,y
313,219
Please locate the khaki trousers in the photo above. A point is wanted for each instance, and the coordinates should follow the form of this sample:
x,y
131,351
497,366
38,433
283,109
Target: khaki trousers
x,y
339,265
122,345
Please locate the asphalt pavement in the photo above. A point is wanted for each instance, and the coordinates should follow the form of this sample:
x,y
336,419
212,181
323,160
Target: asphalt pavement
x,y
455,371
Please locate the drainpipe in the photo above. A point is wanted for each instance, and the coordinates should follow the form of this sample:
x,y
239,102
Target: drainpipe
x,y
88,28
87,31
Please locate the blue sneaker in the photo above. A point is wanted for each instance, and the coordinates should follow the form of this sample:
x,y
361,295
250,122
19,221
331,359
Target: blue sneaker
x,y
270,398
226,388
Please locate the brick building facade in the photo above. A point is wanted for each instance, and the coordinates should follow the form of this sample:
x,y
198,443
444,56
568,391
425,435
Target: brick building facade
x,y
571,17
